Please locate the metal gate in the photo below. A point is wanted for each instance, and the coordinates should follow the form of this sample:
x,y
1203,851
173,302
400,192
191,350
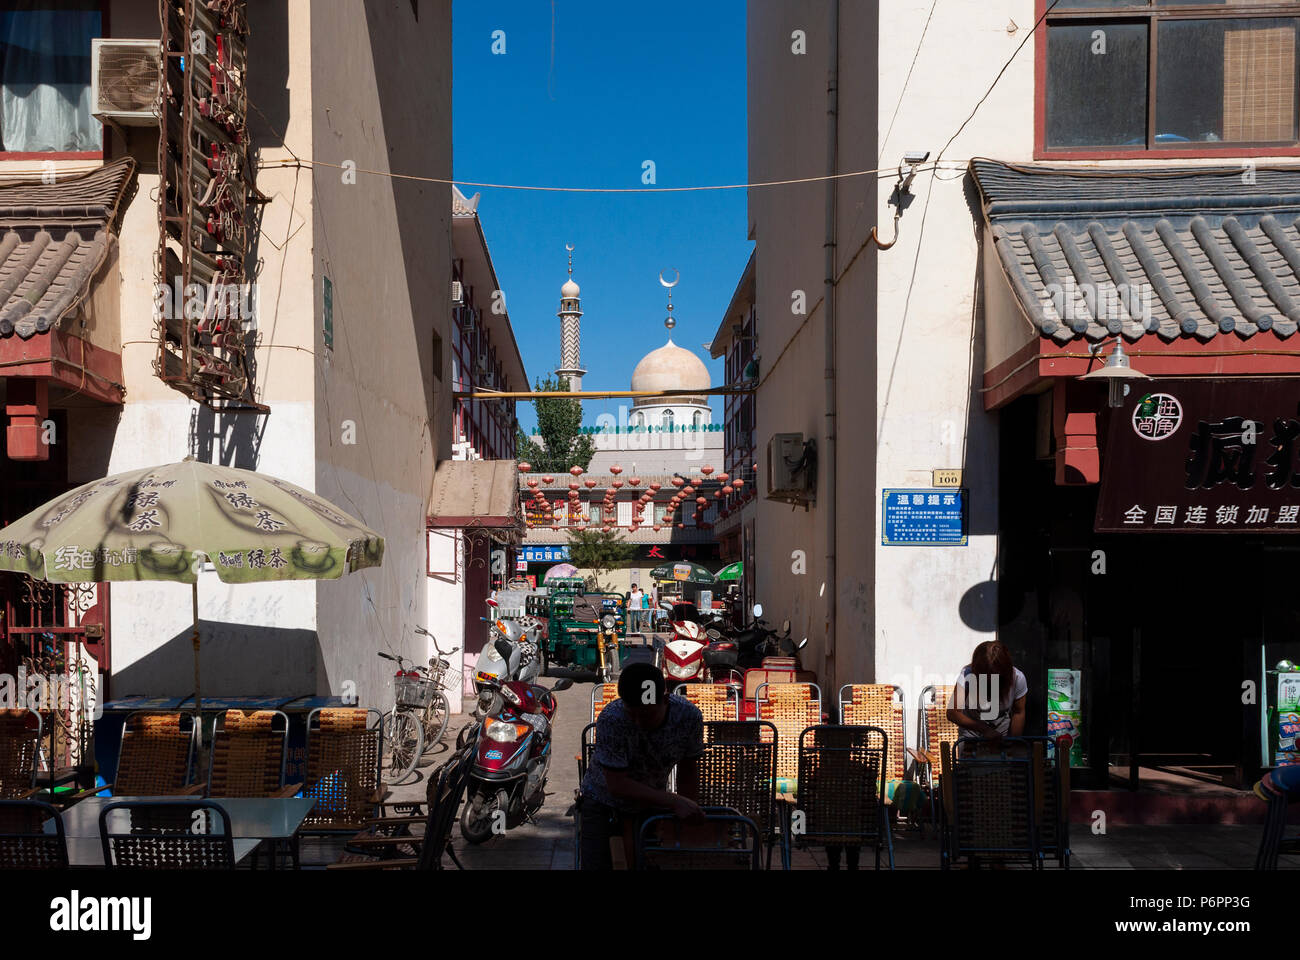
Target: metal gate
x,y
54,654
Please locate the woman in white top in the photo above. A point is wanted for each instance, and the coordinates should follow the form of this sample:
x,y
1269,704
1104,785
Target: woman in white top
x,y
989,698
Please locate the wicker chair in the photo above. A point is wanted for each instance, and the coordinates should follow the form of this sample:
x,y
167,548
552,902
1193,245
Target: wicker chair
x,y
842,789
20,737
248,755
155,758
989,804
24,844
738,770
933,729
716,701
1277,789
387,843
724,841
1051,792
790,708
880,705
602,695
344,747
166,835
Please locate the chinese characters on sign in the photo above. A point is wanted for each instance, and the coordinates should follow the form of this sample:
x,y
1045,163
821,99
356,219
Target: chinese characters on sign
x,y
1213,455
928,518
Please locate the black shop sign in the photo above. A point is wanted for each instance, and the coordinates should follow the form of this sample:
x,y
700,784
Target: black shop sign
x,y
1203,456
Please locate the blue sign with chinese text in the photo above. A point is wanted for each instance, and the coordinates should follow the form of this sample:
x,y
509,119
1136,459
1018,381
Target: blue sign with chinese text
x,y
923,518
549,554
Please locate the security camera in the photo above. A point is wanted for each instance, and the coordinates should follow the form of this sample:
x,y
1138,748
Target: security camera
x,y
907,170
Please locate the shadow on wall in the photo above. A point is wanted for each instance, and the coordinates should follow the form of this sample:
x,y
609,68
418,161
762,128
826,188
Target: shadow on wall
x,y
231,440
236,660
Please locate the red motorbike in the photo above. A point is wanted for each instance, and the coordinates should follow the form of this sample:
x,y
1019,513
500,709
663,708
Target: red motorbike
x,y
512,758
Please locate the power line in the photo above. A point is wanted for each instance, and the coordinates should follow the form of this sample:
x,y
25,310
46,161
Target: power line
x,y
880,172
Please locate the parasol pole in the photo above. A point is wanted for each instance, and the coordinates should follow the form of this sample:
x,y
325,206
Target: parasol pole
x,y
198,702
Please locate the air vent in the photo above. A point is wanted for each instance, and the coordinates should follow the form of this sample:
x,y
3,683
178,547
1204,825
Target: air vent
x,y
124,81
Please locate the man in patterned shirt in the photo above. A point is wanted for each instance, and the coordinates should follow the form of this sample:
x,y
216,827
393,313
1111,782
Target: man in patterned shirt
x,y
639,739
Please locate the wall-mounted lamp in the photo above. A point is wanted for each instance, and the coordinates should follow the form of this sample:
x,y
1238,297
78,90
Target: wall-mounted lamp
x,y
1117,373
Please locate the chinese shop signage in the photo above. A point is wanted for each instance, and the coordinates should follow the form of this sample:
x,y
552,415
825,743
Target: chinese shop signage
x,y
1217,456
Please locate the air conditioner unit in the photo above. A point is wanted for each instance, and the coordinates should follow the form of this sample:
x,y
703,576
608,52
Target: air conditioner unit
x,y
457,293
791,468
124,81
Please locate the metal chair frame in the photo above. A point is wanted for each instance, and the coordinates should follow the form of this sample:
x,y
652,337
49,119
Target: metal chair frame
x,y
715,815
734,736
18,850
898,723
933,782
375,727
179,839
882,839
1274,842
956,770
812,717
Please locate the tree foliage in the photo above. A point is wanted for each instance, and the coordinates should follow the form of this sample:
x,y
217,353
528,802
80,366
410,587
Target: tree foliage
x,y
559,425
599,551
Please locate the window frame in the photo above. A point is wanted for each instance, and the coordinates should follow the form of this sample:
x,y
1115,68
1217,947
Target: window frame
x,y
1137,10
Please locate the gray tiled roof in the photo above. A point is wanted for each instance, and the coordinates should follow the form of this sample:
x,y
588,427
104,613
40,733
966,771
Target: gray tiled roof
x,y
54,237
1178,252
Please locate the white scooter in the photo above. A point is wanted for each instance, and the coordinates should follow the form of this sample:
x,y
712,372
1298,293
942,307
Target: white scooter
x,y
513,652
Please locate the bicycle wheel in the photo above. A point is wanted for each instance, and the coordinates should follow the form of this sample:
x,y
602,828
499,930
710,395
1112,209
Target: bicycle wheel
x,y
403,744
436,717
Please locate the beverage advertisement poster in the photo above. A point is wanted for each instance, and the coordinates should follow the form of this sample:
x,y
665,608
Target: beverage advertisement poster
x,y
1065,710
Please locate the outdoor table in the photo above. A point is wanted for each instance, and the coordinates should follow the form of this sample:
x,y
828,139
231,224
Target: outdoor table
x,y
252,819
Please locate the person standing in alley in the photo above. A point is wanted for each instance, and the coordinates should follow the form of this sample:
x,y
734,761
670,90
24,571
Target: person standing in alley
x,y
634,604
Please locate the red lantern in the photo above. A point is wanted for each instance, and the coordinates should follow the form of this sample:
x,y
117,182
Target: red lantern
x,y
656,487
706,470
576,470
634,482
532,484
616,484
554,527
738,483
701,501
677,481
658,527
616,469
718,494
728,490
525,466
722,477
688,491
548,480
589,484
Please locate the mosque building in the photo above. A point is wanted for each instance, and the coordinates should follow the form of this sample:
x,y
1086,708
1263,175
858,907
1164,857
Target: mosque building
x,y
654,450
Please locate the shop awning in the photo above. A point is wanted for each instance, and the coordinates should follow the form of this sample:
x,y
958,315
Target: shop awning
x,y
1173,251
476,494
54,237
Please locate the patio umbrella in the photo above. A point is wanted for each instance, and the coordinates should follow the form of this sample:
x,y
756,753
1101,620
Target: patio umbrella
x,y
162,523
560,570
732,571
682,572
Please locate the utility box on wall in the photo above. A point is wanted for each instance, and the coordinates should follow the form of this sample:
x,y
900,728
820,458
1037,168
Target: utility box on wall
x,y
791,468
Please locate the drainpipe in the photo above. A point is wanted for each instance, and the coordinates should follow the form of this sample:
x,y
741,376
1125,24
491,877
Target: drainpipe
x,y
828,305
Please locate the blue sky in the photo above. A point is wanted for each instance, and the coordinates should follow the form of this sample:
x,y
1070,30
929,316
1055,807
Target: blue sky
x,y
630,82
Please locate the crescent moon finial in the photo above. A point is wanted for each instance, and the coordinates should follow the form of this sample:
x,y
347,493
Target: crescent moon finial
x,y
677,278
569,247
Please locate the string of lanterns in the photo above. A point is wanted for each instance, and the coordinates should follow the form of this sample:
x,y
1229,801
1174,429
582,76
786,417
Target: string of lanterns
x,y
689,496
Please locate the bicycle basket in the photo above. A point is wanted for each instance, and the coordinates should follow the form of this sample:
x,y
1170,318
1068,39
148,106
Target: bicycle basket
x,y
414,691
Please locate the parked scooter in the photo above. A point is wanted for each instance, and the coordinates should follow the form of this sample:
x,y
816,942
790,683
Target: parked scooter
x,y
683,652
512,757
513,652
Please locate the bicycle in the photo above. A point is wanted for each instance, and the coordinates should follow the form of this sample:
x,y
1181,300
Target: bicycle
x,y
421,710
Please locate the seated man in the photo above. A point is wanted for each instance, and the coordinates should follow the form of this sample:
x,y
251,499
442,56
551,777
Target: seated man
x,y
639,739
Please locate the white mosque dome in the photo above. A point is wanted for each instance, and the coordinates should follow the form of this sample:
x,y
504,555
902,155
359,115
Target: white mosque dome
x,y
570,290
670,368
